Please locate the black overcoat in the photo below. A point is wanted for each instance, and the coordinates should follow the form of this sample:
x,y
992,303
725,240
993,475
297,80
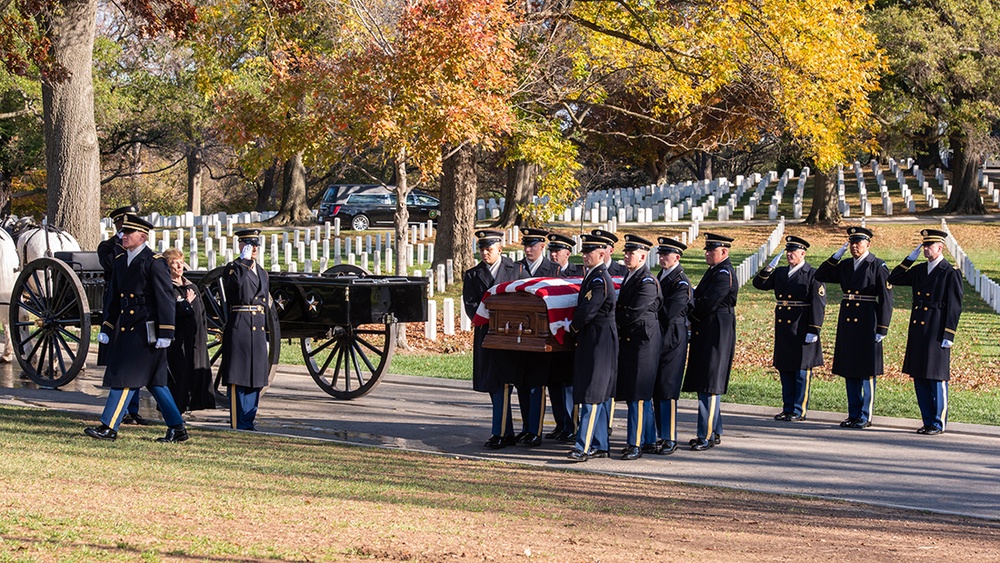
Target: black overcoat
x,y
245,359
713,331
139,292
561,363
489,367
673,318
190,376
865,311
616,269
106,252
547,269
595,364
937,305
571,271
800,308
639,336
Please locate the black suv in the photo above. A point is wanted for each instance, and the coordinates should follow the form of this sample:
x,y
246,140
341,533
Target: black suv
x,y
371,205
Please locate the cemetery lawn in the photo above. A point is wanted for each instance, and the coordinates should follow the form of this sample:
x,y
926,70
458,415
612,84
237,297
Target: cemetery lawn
x,y
227,496
975,386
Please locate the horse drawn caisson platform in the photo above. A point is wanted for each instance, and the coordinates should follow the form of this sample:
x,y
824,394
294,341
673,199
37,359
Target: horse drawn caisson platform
x,y
344,318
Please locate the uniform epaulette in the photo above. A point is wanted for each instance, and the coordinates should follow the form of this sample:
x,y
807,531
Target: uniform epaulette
x,y
155,256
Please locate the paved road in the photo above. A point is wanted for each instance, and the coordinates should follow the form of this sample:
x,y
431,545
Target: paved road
x,y
957,472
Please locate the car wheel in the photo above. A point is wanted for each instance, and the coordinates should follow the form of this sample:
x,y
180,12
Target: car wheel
x,y
360,223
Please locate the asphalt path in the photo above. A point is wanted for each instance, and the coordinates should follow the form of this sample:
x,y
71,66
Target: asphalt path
x,y
957,472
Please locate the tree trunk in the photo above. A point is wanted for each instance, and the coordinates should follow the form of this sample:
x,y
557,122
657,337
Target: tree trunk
x,y
402,219
294,207
135,179
195,172
824,205
522,179
458,210
704,160
72,160
965,198
267,187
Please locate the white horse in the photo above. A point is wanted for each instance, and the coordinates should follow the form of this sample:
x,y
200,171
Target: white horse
x,y
37,242
9,265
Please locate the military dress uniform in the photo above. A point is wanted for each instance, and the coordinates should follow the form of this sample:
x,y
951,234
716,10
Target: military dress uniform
x,y
673,318
595,367
245,366
488,366
865,313
798,318
140,313
937,306
713,343
615,269
639,340
530,382
560,382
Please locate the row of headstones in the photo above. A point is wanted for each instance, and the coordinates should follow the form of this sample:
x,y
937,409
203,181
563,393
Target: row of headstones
x,y
987,288
753,263
886,199
190,220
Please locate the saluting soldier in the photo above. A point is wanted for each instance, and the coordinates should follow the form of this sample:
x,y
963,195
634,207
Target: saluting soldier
x,y
673,317
937,306
140,312
713,339
488,365
530,382
107,250
560,382
245,363
639,340
865,312
798,317
595,366
615,269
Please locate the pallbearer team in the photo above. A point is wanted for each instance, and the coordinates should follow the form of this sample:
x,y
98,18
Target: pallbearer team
x,y
634,342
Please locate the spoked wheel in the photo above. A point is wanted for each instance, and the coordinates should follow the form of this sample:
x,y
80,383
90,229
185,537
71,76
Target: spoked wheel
x,y
50,322
350,361
216,316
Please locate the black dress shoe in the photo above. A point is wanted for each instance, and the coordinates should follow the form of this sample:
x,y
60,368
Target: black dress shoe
x,y
567,436
797,417
667,448
650,448
554,435
495,442
102,432
595,453
859,424
576,455
931,431
702,445
848,422
178,434
922,430
520,435
136,418
716,439
632,452
783,416
530,440
625,450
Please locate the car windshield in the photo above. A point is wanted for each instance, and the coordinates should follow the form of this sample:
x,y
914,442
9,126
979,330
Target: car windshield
x,y
370,199
330,196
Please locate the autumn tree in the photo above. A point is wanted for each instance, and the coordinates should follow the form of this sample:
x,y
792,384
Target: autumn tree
x,y
432,75
944,58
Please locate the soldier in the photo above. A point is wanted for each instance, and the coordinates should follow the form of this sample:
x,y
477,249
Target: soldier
x,y
713,339
488,365
561,366
615,269
595,363
865,312
673,317
245,364
140,312
798,317
530,382
638,347
937,305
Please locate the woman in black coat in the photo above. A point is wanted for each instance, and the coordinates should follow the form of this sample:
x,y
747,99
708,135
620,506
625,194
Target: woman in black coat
x,y
190,380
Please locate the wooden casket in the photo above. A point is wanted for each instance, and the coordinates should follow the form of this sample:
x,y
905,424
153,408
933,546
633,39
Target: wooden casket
x,y
520,321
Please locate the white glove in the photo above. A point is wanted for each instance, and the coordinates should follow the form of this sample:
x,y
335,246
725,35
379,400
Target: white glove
x,y
840,253
775,260
946,343
163,342
247,252
120,234
810,338
103,338
878,338
916,253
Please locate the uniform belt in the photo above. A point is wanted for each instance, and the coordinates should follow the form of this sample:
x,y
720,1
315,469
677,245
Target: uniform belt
x,y
792,304
929,304
853,297
133,301
247,309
